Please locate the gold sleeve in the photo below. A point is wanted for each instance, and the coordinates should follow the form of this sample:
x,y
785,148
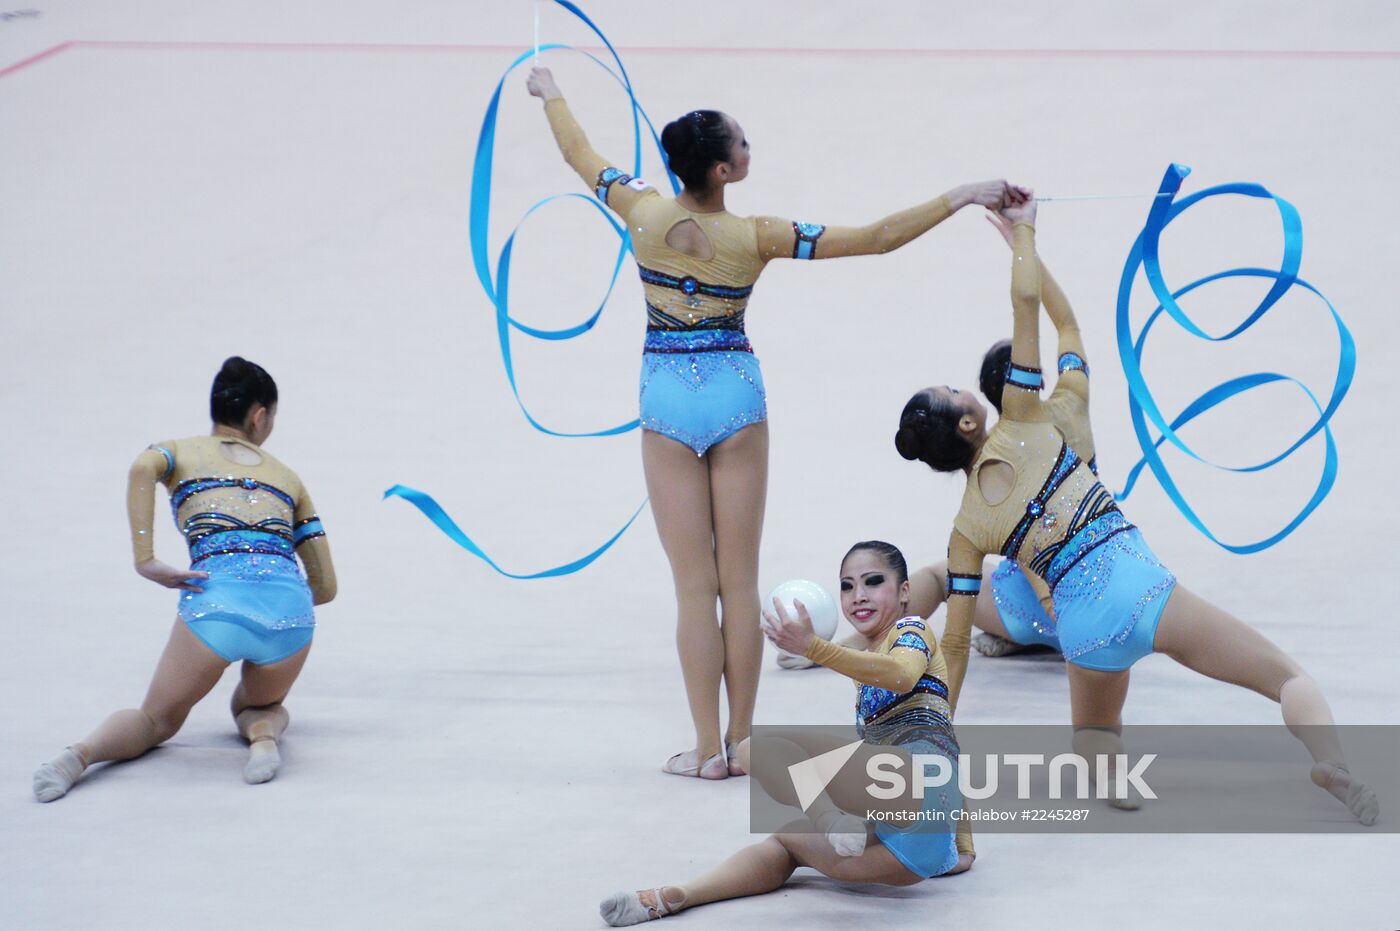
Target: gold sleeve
x,y
621,192
783,239
964,562
310,541
964,838
1057,308
149,469
899,670
1025,329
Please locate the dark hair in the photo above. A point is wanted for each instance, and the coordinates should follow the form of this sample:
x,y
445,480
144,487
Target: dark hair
x,y
992,378
928,432
694,144
886,551
239,385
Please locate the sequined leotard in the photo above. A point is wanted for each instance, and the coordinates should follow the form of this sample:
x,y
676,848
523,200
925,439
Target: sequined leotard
x,y
1023,602
245,525
700,380
1059,523
902,701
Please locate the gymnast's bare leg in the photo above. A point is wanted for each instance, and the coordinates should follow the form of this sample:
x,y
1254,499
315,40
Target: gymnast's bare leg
x,y
738,496
709,513
767,865
258,712
1213,642
187,670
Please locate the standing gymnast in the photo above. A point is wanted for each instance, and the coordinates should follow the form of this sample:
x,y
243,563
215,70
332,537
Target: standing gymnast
x,y
1031,497
703,407
901,710
246,517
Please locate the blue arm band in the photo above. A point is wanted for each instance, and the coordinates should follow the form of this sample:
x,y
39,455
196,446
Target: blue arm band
x,y
1022,376
963,584
807,235
311,527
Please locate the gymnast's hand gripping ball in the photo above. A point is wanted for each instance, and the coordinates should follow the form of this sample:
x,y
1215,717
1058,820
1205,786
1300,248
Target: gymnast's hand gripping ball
x,y
821,607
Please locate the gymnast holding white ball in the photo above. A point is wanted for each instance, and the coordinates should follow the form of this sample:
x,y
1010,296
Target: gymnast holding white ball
x,y
901,709
821,611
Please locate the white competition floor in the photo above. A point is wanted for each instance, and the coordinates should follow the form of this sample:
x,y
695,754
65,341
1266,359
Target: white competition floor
x,y
289,181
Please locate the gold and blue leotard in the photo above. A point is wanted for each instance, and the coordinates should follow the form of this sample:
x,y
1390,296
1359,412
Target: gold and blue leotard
x,y
1058,522
902,701
245,525
701,382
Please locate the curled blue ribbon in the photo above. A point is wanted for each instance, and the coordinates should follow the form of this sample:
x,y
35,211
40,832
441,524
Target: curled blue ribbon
x,y
1143,407
497,287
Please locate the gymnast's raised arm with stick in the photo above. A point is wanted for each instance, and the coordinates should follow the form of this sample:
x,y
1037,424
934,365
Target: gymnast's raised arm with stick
x,y
703,406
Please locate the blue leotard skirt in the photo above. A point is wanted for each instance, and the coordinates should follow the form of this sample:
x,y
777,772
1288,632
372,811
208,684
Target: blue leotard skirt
x,y
699,387
1109,590
1020,609
927,847
254,607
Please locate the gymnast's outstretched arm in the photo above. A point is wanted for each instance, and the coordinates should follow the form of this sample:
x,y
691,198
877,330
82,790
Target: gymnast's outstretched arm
x,y
617,190
784,239
1058,309
1025,312
1073,362
899,670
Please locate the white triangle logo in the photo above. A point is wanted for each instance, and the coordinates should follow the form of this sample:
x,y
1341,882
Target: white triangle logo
x,y
811,777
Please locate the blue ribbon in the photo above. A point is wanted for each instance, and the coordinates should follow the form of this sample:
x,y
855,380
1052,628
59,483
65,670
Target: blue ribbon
x,y
1143,407
435,513
497,287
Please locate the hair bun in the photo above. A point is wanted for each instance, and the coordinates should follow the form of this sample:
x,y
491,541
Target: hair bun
x,y
906,440
694,143
239,385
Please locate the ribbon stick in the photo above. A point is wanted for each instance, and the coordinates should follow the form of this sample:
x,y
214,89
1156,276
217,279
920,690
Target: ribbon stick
x,y
1143,408
1099,197
497,285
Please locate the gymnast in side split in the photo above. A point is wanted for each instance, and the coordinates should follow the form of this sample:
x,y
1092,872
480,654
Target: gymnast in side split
x,y
246,517
703,407
901,708
1031,497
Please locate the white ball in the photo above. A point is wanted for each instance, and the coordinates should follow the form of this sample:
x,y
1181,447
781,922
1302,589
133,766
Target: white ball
x,y
821,607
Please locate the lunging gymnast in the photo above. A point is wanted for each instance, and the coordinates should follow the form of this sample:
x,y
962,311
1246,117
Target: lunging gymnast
x,y
246,517
1033,498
